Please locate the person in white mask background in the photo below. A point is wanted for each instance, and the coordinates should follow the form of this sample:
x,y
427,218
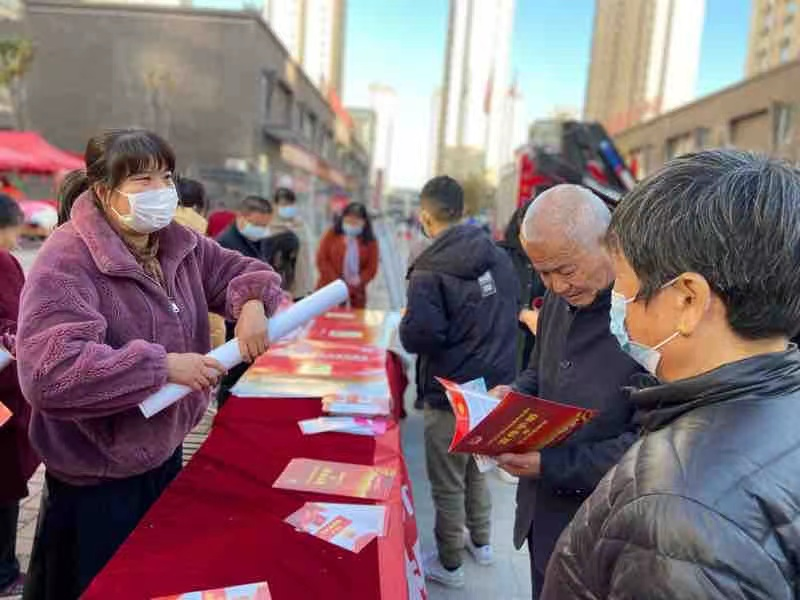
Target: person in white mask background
x,y
290,218
349,251
115,307
253,236
705,505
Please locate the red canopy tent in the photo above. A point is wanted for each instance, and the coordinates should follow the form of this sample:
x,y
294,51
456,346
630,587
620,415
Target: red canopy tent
x,y
29,152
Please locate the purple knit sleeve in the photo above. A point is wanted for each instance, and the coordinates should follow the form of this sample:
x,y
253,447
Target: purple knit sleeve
x,y
231,280
65,368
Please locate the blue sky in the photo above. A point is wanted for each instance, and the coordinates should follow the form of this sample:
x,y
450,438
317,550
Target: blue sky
x,y
401,43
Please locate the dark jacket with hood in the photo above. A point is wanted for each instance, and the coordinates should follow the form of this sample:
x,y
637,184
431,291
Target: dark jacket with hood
x,y
706,504
461,317
531,287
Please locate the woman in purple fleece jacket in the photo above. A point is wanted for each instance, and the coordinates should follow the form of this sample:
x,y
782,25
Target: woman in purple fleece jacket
x,y
115,307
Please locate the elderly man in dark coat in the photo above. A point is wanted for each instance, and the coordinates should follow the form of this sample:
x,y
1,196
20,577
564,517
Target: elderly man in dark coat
x,y
576,361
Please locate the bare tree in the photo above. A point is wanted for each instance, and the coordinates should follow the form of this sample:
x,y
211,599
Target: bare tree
x,y
16,58
159,82
478,194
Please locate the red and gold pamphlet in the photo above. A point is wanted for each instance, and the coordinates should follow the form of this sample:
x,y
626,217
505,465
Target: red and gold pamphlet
x,y
341,479
517,423
373,327
252,591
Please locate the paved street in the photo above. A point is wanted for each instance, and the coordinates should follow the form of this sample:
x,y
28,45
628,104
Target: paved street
x,y
508,579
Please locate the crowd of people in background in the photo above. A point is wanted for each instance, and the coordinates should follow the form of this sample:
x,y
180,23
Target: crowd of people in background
x,y
670,317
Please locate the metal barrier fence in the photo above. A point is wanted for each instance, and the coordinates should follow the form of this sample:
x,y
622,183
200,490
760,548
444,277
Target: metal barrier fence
x,y
394,260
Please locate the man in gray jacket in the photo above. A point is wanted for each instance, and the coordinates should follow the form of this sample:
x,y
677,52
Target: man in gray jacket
x,y
576,361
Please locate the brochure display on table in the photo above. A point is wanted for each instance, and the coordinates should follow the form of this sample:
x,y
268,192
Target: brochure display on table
x,y
312,480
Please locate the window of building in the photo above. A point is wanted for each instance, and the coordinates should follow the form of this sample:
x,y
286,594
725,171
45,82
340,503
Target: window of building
x,y
678,145
786,48
702,138
791,9
281,105
265,94
310,128
783,125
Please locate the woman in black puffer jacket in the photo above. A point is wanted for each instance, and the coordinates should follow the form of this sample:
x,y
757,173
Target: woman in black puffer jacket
x,y
706,505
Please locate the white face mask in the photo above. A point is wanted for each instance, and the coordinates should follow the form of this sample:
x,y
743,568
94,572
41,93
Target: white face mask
x,y
648,357
151,210
255,233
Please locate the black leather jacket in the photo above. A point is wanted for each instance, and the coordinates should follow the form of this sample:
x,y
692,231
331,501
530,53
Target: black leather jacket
x,y
706,504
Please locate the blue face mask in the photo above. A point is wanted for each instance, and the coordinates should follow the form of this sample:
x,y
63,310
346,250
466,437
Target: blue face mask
x,y
648,357
287,211
254,233
352,230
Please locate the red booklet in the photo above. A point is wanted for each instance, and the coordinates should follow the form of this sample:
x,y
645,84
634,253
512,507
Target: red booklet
x,y
341,479
517,423
308,368
371,327
5,414
252,591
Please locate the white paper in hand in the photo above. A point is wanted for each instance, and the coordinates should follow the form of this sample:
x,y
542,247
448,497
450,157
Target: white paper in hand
x,y
482,404
5,358
280,325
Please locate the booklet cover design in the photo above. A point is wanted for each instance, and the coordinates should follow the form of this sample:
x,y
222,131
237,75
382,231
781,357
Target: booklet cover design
x,y
517,423
349,526
342,479
252,591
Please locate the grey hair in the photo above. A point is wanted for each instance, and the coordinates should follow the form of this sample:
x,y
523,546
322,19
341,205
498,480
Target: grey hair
x,y
731,216
573,211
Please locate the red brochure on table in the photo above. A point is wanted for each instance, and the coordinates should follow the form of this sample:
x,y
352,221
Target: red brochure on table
x,y
517,423
5,414
310,369
252,591
349,526
372,327
341,479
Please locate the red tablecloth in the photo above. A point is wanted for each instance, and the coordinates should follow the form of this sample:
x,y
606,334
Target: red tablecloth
x,y
221,522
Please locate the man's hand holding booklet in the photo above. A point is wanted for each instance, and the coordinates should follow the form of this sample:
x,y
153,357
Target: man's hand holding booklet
x,y
516,423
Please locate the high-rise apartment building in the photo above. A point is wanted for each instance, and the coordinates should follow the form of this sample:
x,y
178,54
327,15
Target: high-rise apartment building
x,y
774,34
645,59
313,33
476,79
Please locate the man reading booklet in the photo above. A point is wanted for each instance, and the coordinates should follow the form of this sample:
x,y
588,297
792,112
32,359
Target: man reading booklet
x,y
576,361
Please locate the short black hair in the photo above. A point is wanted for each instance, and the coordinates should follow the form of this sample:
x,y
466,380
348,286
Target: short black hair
x,y
255,204
192,194
11,214
443,198
731,216
285,195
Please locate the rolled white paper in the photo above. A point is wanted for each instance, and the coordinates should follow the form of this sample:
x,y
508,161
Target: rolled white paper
x,y
5,358
280,325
